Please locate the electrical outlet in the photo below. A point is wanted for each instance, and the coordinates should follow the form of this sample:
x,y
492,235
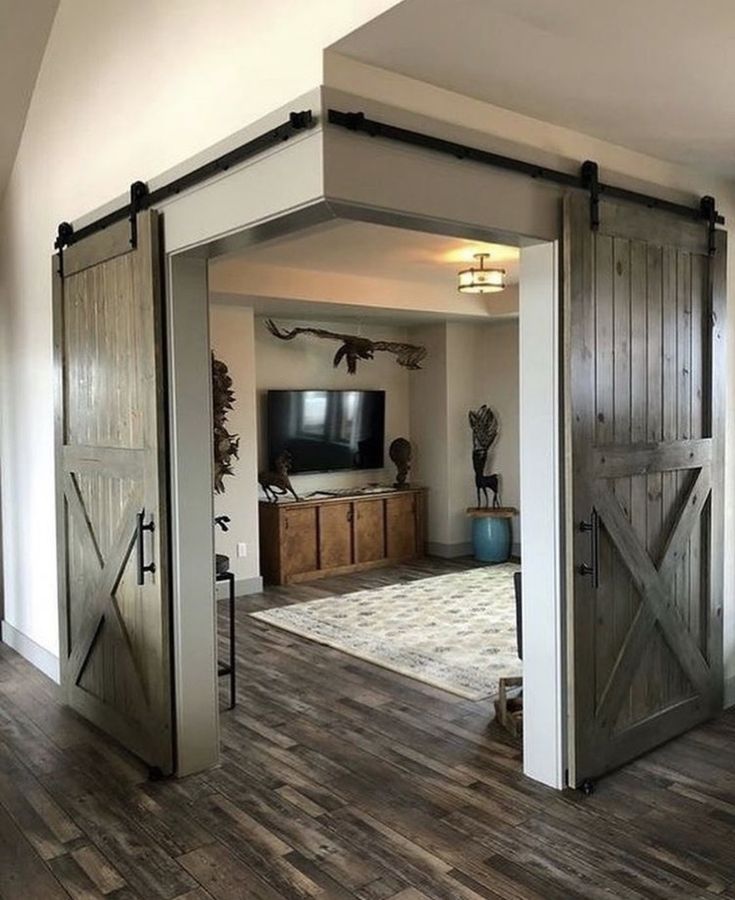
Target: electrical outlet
x,y
242,549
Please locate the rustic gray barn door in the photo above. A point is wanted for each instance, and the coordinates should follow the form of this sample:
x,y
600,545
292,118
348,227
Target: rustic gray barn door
x,y
645,342
111,488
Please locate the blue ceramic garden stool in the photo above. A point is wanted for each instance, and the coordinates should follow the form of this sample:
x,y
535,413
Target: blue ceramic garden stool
x,y
491,533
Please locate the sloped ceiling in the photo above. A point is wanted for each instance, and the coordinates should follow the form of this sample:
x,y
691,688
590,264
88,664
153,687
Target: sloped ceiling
x,y
24,29
653,75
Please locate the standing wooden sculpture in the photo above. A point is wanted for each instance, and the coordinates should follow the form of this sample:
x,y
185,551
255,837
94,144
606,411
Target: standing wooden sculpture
x,y
226,445
400,453
485,429
278,481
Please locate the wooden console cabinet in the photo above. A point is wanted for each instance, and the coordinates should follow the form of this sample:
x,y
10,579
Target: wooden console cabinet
x,y
333,535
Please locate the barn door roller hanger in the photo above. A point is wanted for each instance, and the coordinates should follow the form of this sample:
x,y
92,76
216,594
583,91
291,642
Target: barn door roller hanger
x,y
587,179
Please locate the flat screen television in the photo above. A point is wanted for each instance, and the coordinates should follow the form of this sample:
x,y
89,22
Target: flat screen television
x,y
327,431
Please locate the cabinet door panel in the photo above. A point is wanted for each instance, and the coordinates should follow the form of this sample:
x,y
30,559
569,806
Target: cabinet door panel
x,y
335,535
300,550
369,531
401,525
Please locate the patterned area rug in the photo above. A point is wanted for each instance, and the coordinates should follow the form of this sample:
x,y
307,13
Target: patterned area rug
x,y
456,632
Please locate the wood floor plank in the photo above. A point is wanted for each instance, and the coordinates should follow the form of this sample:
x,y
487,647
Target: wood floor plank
x,y
103,875
225,877
23,874
41,820
75,881
343,780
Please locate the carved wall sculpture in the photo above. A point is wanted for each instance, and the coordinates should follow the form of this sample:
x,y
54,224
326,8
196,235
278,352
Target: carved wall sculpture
x,y
226,445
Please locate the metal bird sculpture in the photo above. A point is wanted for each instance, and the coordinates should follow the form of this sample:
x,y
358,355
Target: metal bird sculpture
x,y
353,348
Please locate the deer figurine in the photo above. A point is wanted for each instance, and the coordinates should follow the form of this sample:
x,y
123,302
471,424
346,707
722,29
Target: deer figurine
x,y
484,482
485,428
278,481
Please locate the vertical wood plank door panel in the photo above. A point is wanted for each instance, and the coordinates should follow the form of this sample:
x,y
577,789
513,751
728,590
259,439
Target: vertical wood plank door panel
x,y
644,303
335,535
300,546
400,525
111,465
369,531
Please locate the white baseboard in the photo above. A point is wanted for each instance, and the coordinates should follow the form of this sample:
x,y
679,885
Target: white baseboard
x,y
35,654
729,694
452,551
243,586
448,551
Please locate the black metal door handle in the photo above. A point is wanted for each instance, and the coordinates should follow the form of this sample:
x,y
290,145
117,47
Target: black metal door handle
x,y
140,541
593,528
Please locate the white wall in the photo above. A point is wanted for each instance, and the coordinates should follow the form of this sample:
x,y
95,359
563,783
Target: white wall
x,y
472,365
232,335
307,363
496,383
125,91
544,734
428,411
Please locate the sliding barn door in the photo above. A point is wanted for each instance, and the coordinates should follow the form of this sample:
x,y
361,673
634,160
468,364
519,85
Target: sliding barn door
x,y
645,343
111,477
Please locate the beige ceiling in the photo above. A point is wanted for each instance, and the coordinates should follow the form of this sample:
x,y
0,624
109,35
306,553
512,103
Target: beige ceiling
x,y
362,248
653,75
24,29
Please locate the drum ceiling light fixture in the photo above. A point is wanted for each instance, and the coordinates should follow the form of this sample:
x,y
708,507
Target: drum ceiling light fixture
x,y
479,280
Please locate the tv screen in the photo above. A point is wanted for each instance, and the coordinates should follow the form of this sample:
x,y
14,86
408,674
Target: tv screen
x,y
325,431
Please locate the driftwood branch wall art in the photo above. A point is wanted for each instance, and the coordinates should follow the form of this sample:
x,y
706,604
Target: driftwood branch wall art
x,y
226,445
353,348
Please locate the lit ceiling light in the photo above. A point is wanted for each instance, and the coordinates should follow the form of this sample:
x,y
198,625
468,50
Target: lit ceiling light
x,y
479,280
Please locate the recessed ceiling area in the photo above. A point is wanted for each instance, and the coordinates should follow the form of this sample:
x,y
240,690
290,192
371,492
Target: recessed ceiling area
x,y
652,75
363,248
343,269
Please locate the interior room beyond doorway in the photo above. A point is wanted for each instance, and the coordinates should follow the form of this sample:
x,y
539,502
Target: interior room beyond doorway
x,y
422,606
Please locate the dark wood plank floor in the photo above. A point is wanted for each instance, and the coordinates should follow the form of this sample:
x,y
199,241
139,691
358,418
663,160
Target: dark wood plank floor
x,y
340,779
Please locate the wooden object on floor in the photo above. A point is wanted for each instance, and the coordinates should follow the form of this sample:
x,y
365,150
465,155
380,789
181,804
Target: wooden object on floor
x,y
334,535
509,710
497,512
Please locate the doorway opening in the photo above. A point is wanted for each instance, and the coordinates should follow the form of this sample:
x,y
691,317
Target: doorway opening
x,y
380,590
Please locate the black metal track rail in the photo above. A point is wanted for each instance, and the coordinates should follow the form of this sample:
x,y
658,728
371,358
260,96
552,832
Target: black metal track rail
x,y
587,179
141,198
